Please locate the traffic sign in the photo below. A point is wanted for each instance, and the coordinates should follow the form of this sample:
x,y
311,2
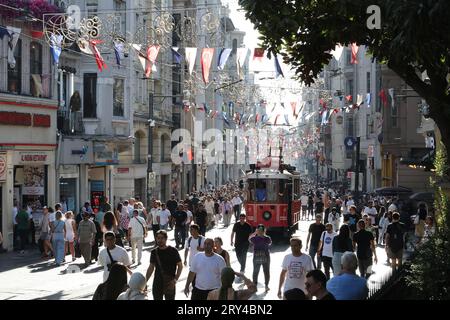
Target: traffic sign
x,y
349,142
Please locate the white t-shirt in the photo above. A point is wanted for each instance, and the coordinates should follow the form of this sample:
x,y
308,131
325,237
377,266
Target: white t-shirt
x,y
350,203
154,214
372,212
209,206
118,254
193,246
236,201
52,217
207,270
15,211
190,217
164,217
130,209
327,250
304,200
297,268
137,230
392,208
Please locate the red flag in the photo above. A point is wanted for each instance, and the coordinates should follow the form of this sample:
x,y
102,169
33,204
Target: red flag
x,y
336,110
293,106
256,118
264,163
152,53
98,57
258,54
355,49
190,156
349,98
383,97
207,56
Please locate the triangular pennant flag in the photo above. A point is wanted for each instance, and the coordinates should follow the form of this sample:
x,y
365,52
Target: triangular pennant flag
x,y
84,46
223,57
201,107
349,98
383,97
278,71
276,119
274,106
368,100
359,99
118,51
191,55
55,47
256,118
98,57
176,55
391,94
293,106
337,52
206,60
355,49
152,54
265,118
3,32
241,56
141,57
224,115
282,104
14,34
286,118
258,54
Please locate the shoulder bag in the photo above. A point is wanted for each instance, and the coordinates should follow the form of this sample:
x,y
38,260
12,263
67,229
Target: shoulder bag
x,y
109,265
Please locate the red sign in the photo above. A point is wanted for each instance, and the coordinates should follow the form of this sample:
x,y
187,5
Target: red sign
x,y
123,170
41,120
15,118
2,167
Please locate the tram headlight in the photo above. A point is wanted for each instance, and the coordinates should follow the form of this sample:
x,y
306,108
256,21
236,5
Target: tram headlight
x,y
267,215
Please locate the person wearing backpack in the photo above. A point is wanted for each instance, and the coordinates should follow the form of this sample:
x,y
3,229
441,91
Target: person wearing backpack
x,y
194,244
395,241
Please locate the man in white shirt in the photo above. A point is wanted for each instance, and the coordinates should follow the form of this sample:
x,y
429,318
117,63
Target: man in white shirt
x,y
304,202
350,203
209,207
236,202
206,267
130,206
194,244
153,218
392,207
137,231
295,266
190,218
164,218
371,212
326,248
112,254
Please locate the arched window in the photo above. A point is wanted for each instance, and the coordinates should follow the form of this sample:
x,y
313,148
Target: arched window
x,y
137,147
15,73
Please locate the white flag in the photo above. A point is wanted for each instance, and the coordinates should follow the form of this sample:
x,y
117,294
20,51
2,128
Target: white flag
x,y
141,57
337,52
191,55
241,56
14,34
391,94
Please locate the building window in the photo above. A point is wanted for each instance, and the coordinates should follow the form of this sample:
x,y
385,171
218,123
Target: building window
x,y
234,47
368,82
118,98
90,95
350,87
15,74
121,23
394,115
162,147
137,147
36,69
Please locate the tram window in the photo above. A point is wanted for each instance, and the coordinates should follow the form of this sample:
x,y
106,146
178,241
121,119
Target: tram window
x,y
282,190
271,186
261,191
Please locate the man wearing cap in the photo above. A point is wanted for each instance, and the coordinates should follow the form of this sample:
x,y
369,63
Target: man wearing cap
x,y
315,231
86,235
243,230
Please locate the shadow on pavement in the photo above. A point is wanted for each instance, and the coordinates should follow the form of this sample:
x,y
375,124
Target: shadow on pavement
x,y
54,296
93,270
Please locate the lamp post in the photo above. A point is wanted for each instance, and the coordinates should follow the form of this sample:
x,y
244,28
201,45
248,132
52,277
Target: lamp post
x,y
150,175
358,139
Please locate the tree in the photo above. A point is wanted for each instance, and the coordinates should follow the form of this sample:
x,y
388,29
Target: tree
x,y
414,37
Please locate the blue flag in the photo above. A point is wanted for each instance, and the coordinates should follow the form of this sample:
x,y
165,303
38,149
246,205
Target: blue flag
x,y
278,70
118,51
55,46
368,99
176,55
223,57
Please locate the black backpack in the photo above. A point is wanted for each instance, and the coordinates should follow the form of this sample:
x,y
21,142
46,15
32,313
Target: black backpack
x,y
396,241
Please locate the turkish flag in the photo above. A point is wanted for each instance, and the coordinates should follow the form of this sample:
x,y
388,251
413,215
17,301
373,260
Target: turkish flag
x,y
152,53
258,54
207,56
293,106
355,49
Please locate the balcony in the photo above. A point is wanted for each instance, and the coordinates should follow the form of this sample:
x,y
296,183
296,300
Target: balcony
x,y
70,124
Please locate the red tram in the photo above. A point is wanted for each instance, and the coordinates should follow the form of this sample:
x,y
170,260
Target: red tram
x,y
272,199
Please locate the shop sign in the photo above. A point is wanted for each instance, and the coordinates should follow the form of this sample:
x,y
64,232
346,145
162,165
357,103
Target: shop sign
x,y
41,120
33,158
15,118
106,157
123,170
3,163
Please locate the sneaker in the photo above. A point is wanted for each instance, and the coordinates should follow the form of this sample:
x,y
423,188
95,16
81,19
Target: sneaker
x,y
132,261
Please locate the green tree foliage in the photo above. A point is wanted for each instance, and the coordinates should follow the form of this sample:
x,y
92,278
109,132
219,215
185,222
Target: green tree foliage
x,y
414,38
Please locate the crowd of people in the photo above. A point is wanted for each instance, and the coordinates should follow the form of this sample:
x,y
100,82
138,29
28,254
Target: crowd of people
x,y
341,240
